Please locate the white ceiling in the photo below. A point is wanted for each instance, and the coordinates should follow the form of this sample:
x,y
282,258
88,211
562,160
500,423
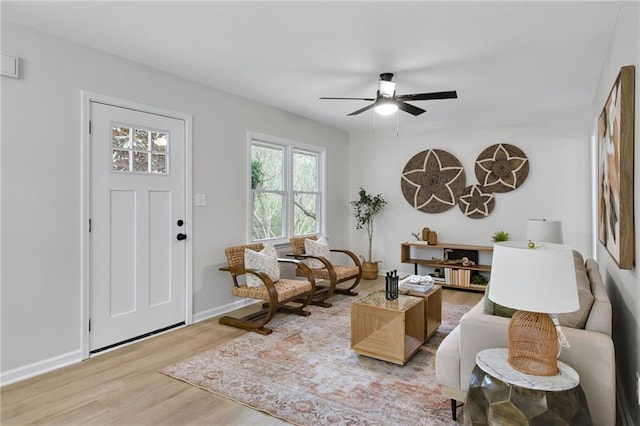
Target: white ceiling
x,y
501,57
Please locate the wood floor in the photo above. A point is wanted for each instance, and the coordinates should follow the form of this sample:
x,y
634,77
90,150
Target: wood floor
x,y
124,387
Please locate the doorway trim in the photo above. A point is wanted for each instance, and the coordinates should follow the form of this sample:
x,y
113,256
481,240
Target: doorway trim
x,y
85,200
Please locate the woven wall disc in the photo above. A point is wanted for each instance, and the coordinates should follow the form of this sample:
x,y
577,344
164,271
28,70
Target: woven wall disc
x,y
502,168
476,202
433,181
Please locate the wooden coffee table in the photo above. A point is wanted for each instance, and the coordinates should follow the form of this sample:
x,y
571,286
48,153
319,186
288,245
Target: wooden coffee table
x,y
389,330
432,310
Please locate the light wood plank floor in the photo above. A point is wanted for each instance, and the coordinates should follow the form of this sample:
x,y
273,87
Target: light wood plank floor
x,y
124,387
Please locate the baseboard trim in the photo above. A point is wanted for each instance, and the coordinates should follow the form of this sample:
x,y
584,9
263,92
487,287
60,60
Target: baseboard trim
x,y
221,310
40,367
622,409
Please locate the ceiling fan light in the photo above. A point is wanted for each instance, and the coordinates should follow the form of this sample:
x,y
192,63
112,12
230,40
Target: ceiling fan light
x,y
386,108
386,88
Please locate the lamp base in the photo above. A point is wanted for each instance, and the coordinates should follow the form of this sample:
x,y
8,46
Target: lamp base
x,y
533,344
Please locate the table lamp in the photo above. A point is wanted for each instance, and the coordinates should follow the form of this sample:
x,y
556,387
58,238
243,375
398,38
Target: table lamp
x,y
537,280
544,231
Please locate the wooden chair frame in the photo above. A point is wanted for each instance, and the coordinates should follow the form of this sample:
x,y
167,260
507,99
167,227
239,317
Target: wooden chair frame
x,y
324,292
256,321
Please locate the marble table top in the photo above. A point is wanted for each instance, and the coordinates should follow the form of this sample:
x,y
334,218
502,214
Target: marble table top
x,y
494,362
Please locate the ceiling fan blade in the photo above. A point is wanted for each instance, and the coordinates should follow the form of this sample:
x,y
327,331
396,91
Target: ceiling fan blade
x,y
362,109
413,110
428,96
352,99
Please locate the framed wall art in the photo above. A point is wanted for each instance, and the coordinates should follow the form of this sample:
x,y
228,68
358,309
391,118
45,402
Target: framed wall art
x,y
615,138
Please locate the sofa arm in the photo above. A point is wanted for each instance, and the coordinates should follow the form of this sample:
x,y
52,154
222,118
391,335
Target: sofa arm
x,y
592,355
478,332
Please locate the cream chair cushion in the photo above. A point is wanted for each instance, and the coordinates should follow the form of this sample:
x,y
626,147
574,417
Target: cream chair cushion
x,y
266,260
318,248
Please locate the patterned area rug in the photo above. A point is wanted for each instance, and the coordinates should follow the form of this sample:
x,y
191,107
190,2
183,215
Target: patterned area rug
x,y
306,373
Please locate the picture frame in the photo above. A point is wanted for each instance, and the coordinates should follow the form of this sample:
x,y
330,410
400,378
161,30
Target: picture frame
x,y
615,140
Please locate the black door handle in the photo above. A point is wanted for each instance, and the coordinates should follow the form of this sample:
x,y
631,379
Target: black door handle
x,y
181,237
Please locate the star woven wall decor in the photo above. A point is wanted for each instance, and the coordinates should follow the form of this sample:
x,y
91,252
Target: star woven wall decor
x,y
476,202
501,168
433,181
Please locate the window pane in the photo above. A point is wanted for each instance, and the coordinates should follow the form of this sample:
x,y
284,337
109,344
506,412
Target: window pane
x,y
267,216
120,161
140,162
267,165
158,163
121,137
305,171
159,142
305,214
140,140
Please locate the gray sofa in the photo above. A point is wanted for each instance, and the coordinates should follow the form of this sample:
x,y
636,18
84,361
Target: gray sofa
x,y
588,330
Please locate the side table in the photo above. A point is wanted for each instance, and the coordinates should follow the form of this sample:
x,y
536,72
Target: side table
x,y
432,309
389,330
501,395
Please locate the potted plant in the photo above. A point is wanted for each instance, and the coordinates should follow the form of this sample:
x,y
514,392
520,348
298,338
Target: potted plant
x,y
365,209
500,236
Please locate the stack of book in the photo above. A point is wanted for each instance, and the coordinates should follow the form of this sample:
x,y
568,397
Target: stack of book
x,y
418,283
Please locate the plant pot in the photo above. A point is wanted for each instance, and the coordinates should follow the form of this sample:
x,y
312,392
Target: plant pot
x,y
369,270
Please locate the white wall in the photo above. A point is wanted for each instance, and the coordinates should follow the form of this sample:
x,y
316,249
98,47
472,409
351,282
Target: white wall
x,y
557,186
624,285
41,172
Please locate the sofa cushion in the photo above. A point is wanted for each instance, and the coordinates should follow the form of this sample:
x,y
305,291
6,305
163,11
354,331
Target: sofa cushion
x,y
578,319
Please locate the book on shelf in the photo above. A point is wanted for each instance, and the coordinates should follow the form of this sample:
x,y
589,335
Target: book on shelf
x,y
457,277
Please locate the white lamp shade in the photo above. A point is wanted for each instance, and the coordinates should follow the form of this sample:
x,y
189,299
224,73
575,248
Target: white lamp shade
x,y
544,231
542,279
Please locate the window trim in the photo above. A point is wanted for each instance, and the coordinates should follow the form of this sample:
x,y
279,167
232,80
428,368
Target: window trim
x,y
289,146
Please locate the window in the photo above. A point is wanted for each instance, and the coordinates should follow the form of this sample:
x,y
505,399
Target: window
x,y
286,194
139,150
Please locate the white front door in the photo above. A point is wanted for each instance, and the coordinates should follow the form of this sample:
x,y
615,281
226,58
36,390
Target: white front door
x,y
137,211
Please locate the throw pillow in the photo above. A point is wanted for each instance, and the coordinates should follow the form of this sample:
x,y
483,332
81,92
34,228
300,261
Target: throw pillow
x,y
318,248
492,308
265,261
578,319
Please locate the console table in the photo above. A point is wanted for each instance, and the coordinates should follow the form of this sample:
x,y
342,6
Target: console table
x,y
499,394
421,253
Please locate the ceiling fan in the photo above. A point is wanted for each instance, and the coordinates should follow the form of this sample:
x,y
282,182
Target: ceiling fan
x,y
387,102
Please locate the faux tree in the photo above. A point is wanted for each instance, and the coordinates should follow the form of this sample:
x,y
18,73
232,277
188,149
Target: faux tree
x,y
365,209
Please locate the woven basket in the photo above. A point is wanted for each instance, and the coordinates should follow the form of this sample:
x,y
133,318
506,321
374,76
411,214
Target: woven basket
x,y
533,344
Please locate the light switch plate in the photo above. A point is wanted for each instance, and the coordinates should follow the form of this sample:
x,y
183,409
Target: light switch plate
x,y
201,200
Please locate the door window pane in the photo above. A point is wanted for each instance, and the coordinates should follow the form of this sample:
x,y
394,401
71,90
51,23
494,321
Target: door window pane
x,y
120,161
141,162
139,150
121,137
158,163
140,140
158,142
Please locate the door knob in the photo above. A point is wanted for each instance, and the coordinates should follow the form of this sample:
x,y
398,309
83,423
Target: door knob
x,y
181,237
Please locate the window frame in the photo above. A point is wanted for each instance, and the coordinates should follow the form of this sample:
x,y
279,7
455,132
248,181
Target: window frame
x,y
288,147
